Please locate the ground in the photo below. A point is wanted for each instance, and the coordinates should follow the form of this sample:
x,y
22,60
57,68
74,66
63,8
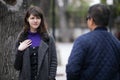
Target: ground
x,y
63,51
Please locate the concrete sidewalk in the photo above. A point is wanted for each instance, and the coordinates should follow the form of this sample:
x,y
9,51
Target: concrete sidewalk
x,y
61,75
63,51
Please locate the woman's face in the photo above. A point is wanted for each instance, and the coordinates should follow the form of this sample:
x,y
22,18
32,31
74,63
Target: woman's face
x,y
34,22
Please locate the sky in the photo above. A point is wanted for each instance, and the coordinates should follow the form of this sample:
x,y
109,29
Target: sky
x,y
95,2
109,2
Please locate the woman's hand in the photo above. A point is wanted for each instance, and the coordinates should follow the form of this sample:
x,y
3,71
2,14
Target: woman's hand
x,y
25,44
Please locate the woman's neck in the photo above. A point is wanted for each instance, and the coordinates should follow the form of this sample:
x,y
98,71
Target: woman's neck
x,y
33,31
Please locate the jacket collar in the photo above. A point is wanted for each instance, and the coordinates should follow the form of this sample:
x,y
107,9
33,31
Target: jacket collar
x,y
100,28
42,52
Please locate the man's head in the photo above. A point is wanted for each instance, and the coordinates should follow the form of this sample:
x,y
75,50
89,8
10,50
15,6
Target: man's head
x,y
100,14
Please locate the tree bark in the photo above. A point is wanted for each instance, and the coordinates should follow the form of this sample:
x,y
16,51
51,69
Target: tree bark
x,y
62,21
10,24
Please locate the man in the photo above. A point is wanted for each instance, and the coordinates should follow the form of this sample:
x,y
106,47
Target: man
x,y
95,55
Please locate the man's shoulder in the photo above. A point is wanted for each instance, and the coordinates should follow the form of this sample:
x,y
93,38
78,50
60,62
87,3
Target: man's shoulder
x,y
86,39
84,36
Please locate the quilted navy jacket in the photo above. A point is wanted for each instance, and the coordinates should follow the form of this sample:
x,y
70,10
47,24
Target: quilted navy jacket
x,y
95,56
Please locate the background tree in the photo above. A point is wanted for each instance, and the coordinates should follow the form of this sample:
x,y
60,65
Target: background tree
x,y
62,20
70,15
116,5
114,23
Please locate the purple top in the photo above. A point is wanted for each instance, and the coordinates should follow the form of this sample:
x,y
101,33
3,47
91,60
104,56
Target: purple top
x,y
35,37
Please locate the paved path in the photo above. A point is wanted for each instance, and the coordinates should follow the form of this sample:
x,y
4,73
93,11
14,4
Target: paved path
x,y
63,50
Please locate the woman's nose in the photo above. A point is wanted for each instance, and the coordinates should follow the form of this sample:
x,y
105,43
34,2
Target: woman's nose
x,y
35,20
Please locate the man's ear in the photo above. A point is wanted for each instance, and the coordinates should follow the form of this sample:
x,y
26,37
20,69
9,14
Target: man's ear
x,y
92,21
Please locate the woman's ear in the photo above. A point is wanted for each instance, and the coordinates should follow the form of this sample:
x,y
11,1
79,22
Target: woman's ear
x,y
27,19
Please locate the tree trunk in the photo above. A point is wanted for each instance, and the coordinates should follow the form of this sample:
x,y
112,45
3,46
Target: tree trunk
x,y
63,23
10,24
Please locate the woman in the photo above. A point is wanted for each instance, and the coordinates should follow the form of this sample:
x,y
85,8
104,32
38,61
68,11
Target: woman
x,y
35,49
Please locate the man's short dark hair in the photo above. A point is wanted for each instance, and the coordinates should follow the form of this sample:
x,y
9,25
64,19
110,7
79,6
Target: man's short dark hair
x,y
100,14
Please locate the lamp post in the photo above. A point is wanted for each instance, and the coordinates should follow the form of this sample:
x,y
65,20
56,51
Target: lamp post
x,y
53,18
110,3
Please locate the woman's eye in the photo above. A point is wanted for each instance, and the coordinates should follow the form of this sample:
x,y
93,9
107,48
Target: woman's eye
x,y
38,17
35,18
32,18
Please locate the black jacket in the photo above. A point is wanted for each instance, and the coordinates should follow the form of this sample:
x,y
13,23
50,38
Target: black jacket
x,y
47,61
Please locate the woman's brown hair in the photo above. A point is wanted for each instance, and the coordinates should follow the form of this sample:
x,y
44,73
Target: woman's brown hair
x,y
42,29
36,11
